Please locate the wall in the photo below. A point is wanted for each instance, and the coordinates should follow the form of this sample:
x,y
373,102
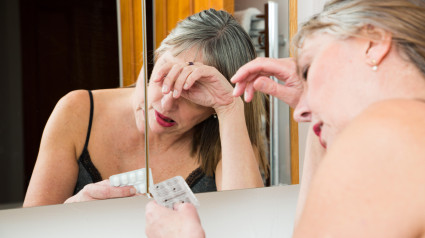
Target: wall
x,y
11,139
283,144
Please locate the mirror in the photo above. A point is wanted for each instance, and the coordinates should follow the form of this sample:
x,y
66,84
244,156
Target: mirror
x,y
92,29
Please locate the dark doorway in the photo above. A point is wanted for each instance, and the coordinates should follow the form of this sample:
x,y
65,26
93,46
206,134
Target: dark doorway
x,y
66,45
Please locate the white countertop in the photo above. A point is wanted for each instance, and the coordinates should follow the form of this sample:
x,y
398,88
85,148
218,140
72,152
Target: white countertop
x,y
265,212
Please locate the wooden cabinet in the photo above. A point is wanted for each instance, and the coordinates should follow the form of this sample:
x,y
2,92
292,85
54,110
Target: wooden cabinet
x,y
169,12
166,15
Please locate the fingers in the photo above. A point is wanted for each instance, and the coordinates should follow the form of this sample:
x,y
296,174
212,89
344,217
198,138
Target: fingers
x,y
173,77
169,80
262,84
181,82
269,86
249,92
188,209
103,190
153,209
282,69
162,72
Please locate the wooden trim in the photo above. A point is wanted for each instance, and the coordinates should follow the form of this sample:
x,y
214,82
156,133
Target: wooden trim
x,y
229,6
295,155
131,40
160,21
127,41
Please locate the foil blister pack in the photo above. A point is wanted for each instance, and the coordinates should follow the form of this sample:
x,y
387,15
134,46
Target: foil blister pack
x,y
165,193
135,178
173,190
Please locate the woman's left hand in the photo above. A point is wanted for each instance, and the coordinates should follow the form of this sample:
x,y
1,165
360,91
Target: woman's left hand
x,y
199,83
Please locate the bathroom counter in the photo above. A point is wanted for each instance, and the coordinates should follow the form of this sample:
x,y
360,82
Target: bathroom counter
x,y
265,212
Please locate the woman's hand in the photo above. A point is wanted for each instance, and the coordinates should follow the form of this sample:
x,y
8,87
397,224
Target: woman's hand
x,y
183,221
202,84
254,76
101,190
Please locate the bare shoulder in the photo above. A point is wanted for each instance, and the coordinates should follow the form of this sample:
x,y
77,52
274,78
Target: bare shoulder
x,y
370,183
78,102
400,119
74,100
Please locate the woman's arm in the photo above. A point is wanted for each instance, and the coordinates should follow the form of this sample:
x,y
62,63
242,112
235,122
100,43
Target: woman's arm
x,y
238,167
55,172
370,183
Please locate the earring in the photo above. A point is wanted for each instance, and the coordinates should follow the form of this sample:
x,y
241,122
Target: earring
x,y
374,65
215,115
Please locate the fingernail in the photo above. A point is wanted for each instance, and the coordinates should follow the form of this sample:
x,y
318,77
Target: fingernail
x,y
177,205
175,93
133,191
245,96
186,85
234,90
164,88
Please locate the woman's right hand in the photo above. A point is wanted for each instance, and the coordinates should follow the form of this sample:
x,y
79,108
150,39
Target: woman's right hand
x,y
182,221
254,76
100,191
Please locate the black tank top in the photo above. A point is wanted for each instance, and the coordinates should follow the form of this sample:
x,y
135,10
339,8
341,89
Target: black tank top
x,y
88,173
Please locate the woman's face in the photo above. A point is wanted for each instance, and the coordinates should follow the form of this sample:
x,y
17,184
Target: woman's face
x,y
167,114
339,82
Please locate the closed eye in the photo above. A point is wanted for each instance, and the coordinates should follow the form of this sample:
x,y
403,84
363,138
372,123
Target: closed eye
x,y
305,72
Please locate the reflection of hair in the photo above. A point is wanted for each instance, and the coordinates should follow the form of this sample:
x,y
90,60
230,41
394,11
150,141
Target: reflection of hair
x,y
405,19
226,46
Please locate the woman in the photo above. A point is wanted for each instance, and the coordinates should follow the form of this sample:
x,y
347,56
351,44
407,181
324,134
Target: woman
x,y
193,122
362,66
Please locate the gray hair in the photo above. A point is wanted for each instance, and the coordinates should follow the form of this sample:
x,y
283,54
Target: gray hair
x,y
346,18
226,46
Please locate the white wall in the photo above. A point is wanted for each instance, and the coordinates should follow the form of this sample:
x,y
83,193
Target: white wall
x,y
306,9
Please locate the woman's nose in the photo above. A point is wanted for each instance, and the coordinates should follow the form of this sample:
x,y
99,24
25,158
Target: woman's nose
x,y
302,112
168,103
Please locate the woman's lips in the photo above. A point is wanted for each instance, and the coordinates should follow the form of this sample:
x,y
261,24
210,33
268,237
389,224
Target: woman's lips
x,y
163,120
317,128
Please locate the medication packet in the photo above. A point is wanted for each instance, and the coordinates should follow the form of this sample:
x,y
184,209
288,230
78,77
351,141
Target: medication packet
x,y
135,178
173,190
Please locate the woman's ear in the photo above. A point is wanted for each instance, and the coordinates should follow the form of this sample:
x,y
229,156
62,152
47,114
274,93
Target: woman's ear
x,y
379,44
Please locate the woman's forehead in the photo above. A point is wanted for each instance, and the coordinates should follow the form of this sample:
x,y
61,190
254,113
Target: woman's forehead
x,y
311,45
185,55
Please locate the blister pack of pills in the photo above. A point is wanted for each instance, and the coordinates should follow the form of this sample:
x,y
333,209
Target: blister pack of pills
x,y
172,191
135,178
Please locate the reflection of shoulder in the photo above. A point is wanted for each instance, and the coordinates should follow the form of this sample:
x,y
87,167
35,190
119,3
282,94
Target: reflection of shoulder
x,y
74,103
78,101
71,113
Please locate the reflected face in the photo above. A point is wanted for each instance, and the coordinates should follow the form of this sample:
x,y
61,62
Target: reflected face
x,y
167,114
338,82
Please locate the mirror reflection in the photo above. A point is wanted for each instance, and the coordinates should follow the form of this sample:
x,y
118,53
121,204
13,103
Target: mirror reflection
x,y
80,146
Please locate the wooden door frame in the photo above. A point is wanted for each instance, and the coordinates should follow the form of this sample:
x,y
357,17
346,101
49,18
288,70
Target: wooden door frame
x,y
293,125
